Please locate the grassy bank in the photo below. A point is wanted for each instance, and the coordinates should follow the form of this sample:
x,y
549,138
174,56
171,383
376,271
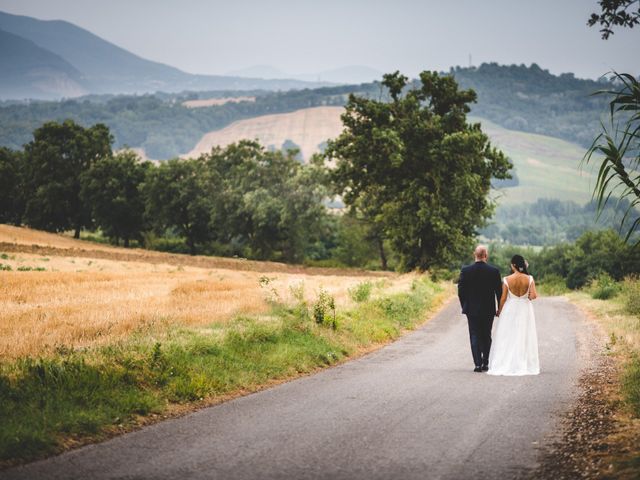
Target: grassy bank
x,y
74,394
616,308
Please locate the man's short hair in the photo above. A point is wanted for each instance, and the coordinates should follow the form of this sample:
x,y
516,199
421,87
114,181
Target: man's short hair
x,y
481,252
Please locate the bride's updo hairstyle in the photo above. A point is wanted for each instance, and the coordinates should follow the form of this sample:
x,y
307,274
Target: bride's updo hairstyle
x,y
520,264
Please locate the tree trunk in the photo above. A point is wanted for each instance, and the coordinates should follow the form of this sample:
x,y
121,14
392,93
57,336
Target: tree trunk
x,y
383,257
126,242
192,246
76,234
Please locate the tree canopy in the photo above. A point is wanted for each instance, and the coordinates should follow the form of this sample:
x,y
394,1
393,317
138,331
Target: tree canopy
x,y
416,169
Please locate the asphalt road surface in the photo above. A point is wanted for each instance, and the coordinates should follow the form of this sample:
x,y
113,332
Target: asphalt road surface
x,y
414,409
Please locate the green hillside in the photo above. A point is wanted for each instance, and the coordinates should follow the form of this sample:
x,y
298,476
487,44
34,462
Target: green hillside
x,y
545,167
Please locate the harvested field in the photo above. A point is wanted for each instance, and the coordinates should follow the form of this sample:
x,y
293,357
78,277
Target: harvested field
x,y
92,294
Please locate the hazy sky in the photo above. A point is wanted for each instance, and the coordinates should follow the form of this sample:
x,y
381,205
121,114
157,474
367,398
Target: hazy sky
x,y
306,36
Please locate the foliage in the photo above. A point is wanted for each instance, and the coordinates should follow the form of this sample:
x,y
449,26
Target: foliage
x,y
112,187
55,161
594,253
12,195
620,149
179,197
361,292
631,295
531,99
324,310
415,169
82,393
267,204
547,222
603,287
631,385
615,13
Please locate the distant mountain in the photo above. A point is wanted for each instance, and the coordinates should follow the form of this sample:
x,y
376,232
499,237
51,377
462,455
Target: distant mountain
x,y
260,71
107,68
349,75
26,68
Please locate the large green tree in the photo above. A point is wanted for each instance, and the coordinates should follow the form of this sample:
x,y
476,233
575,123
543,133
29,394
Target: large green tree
x,y
12,195
416,168
179,197
56,159
112,187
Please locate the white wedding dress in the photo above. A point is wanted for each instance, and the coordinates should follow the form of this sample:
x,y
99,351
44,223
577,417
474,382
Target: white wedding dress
x,y
514,350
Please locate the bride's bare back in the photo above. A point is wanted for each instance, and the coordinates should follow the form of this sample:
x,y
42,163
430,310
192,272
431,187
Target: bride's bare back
x,y
518,283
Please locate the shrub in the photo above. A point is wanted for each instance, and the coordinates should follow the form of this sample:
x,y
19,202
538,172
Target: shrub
x,y
361,292
603,287
552,284
631,295
324,310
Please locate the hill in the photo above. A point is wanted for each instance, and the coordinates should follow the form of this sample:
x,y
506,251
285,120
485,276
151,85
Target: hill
x,y
107,68
27,69
307,129
545,167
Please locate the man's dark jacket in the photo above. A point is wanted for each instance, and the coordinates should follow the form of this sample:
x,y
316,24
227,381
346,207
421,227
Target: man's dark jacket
x,y
478,289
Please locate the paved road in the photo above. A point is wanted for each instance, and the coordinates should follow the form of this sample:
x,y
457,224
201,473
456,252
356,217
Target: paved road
x,y
411,410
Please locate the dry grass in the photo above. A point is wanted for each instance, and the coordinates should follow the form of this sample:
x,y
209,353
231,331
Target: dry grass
x,y
619,325
107,294
308,128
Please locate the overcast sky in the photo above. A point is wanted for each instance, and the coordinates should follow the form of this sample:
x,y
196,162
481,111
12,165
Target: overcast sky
x,y
306,36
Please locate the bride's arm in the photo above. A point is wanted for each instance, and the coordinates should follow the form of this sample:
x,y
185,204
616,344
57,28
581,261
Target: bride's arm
x,y
532,291
502,299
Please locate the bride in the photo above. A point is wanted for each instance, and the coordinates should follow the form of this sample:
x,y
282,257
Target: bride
x,y
515,342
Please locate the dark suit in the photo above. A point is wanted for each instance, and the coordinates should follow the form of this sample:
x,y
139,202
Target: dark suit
x,y
479,287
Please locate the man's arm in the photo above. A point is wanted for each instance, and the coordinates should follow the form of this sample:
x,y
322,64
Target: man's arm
x,y
461,286
497,286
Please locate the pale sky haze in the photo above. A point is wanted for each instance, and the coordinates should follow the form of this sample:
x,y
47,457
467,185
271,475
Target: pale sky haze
x,y
307,36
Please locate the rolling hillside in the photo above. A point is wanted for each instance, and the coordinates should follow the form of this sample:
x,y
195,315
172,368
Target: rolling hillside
x,y
546,167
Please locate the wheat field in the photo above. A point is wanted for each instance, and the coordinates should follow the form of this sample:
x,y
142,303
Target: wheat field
x,y
79,301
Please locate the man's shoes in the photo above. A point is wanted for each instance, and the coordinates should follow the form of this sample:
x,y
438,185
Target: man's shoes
x,y
485,368
477,369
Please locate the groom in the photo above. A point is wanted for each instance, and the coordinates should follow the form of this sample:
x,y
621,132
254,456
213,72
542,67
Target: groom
x,y
479,287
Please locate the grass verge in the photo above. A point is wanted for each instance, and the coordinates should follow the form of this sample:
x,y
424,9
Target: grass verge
x,y
621,323
72,396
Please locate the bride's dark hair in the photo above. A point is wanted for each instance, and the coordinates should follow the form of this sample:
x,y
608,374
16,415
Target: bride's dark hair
x,y
518,262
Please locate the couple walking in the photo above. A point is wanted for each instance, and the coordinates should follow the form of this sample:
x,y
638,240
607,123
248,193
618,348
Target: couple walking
x,y
515,342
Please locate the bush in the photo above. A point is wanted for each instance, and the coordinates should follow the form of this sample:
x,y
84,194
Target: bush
x,y
361,292
552,285
324,310
631,295
603,287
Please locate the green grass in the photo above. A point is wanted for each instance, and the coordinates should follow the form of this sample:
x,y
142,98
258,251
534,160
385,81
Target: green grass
x,y
631,384
45,401
546,167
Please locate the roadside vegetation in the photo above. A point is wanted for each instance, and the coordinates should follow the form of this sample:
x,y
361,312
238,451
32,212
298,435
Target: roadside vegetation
x,y
69,395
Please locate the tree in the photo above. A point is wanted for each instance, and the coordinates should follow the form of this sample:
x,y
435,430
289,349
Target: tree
x,y
267,201
621,13
12,196
178,197
55,161
112,187
414,167
619,143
